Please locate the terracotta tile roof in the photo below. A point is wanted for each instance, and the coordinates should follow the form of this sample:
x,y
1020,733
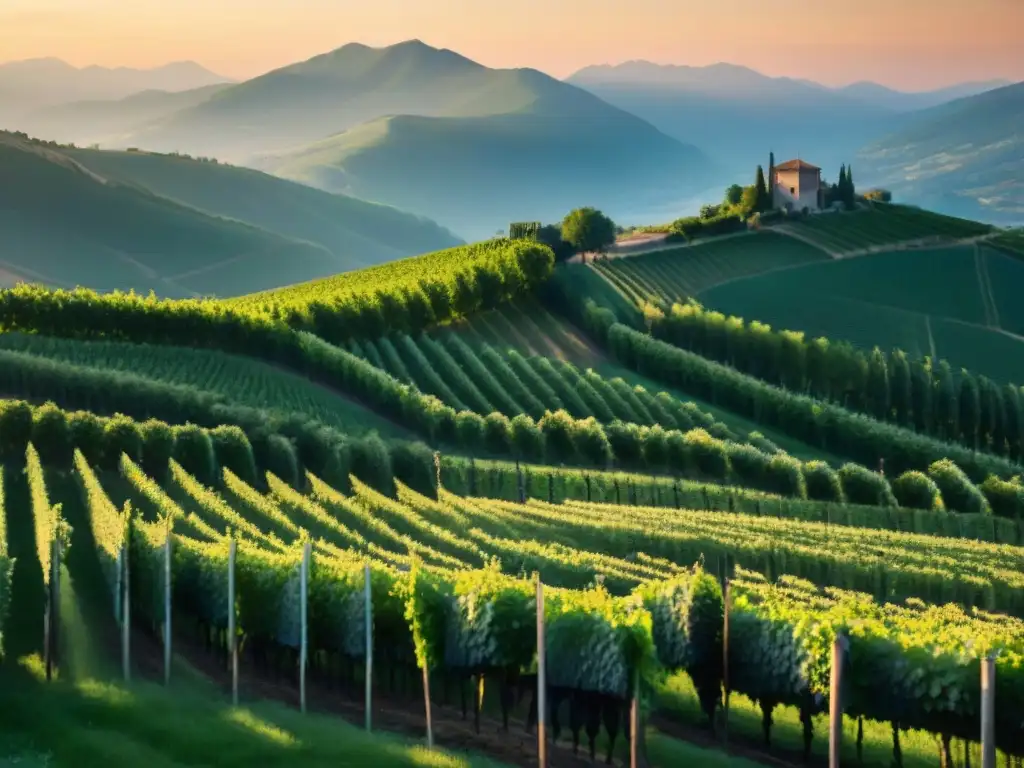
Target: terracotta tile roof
x,y
796,165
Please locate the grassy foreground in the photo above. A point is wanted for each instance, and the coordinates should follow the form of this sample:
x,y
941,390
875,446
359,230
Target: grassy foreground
x,y
93,723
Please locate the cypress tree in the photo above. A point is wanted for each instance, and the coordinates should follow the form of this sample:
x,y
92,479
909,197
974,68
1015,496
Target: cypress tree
x,y
970,409
771,179
1013,418
900,386
841,184
879,394
947,402
851,191
761,191
921,378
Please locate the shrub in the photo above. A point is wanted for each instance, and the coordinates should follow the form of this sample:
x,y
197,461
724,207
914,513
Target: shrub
x,y
823,482
280,459
51,436
708,454
749,465
87,435
121,435
591,442
762,443
558,428
527,438
785,476
497,434
413,464
232,450
470,430
918,491
371,463
862,486
1005,497
157,448
958,492
193,450
653,443
338,467
626,443
15,429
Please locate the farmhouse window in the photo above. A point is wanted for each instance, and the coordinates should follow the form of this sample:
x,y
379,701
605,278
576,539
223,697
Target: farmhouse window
x,y
792,190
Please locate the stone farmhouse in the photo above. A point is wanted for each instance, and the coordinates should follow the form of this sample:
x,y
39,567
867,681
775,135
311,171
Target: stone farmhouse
x,y
795,185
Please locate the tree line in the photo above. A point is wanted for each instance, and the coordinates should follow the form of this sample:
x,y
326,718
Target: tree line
x,y
922,395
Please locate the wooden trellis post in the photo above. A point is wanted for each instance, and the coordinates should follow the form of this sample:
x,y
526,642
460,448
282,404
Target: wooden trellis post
x,y
126,612
232,633
542,683
167,609
835,714
368,608
988,712
304,618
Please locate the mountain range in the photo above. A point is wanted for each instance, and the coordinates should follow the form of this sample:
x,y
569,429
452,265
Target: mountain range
x,y
428,131
965,157
32,84
181,227
433,132
722,108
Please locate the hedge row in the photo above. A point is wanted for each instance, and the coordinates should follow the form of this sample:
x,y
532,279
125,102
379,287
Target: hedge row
x,y
924,395
817,423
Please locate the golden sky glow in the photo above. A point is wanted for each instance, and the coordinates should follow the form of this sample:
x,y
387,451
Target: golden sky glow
x,y
912,44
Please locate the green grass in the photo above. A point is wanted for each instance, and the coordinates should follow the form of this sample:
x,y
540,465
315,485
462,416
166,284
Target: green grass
x,y
927,302
241,380
678,701
93,723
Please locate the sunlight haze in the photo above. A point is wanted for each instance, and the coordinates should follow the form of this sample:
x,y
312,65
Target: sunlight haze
x,y
797,38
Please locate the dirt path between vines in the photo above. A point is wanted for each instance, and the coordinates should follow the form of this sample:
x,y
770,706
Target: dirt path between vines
x,y
404,714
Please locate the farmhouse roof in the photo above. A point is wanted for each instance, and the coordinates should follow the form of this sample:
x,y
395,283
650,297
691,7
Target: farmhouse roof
x,y
796,165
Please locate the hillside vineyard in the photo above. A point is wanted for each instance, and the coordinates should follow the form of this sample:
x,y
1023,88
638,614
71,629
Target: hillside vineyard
x,y
595,496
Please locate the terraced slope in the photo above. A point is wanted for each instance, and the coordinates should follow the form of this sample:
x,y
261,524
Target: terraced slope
x,y
881,227
956,303
678,273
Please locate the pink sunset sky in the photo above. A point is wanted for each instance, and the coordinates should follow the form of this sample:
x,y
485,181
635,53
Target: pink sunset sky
x,y
909,44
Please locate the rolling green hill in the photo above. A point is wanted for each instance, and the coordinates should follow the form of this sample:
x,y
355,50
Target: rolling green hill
x,y
359,233
65,225
183,227
956,303
965,157
427,129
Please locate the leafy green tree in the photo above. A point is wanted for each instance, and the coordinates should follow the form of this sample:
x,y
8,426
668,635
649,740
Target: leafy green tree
x,y
551,236
734,194
587,229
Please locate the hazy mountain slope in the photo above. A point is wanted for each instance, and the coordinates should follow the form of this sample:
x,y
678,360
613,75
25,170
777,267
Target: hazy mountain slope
x,y
108,121
737,115
63,224
35,83
965,157
334,92
432,132
903,101
359,233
